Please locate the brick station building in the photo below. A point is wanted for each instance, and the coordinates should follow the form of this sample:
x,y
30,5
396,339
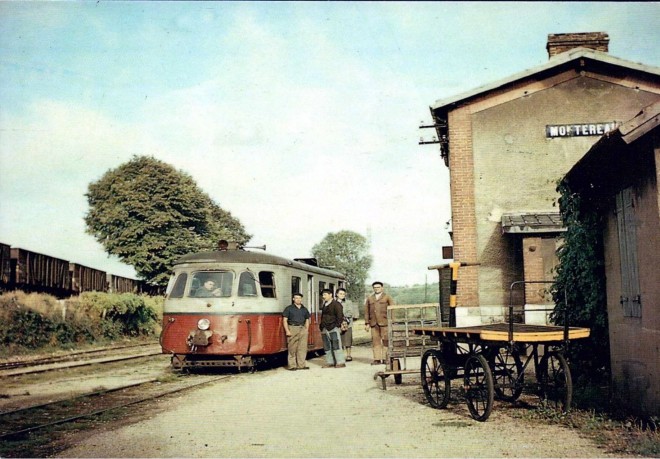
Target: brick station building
x,y
507,144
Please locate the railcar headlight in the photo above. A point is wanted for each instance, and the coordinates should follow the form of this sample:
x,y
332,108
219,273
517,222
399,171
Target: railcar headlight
x,y
203,324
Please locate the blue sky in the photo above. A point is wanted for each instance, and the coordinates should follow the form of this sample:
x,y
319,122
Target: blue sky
x,y
300,118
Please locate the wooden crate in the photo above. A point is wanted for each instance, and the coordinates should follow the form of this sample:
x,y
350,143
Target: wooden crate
x,y
402,342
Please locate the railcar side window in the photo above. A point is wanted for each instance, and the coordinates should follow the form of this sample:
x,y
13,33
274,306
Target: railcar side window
x,y
267,281
295,285
211,284
179,286
321,287
246,285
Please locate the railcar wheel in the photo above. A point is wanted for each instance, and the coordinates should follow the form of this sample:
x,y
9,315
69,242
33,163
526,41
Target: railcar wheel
x,y
435,379
508,376
478,384
556,382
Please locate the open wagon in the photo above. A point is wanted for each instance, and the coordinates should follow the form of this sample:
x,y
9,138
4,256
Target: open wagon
x,y
491,360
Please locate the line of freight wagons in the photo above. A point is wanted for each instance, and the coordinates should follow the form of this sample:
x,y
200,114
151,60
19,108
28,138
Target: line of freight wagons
x,y
29,271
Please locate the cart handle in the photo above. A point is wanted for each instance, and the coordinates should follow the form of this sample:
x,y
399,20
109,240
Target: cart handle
x,y
512,287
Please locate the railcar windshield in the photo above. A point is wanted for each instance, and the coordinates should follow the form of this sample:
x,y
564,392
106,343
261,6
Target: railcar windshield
x,y
211,284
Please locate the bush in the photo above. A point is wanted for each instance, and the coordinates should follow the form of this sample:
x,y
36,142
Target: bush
x,y
35,321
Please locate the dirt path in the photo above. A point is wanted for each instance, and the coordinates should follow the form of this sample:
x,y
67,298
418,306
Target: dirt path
x,y
324,413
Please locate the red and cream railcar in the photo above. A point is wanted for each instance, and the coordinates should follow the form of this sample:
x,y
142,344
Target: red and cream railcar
x,y
225,308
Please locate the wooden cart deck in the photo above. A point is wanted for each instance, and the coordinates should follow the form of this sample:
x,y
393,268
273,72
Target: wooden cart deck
x,y
500,332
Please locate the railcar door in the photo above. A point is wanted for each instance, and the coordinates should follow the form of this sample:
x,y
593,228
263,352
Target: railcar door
x,y
313,305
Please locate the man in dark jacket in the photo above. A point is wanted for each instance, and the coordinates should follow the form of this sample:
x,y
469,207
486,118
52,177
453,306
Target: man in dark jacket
x,y
332,314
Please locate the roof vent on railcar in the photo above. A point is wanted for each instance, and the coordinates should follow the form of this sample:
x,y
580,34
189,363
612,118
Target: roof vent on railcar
x,y
308,261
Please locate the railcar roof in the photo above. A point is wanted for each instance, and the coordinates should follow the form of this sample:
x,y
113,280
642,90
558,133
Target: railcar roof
x,y
244,256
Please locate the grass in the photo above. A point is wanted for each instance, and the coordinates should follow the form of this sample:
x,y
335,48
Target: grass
x,y
630,436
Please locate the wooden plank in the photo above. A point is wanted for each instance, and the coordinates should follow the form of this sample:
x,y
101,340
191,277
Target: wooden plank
x,y
500,332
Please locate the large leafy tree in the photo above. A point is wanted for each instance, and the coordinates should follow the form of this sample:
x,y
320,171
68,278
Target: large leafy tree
x,y
148,214
348,253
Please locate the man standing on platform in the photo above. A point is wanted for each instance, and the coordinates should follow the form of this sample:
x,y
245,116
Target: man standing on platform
x,y
296,327
332,315
375,317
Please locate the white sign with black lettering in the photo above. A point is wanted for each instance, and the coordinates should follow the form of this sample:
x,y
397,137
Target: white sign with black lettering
x,y
577,130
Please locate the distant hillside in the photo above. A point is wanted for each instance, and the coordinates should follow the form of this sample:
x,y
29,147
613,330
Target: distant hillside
x,y
415,294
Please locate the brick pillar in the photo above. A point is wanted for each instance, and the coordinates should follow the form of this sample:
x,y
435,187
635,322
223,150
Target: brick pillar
x,y
534,270
464,221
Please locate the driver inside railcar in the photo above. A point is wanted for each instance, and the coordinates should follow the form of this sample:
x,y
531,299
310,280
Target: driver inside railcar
x,y
208,289
211,285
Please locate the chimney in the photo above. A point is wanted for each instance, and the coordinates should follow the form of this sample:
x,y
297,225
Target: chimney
x,y
562,42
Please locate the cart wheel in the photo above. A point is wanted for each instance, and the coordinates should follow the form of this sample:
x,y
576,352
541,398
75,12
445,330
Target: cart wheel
x,y
435,380
478,384
396,366
508,373
555,380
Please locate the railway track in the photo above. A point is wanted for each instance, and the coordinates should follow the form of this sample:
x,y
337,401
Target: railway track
x,y
27,362
19,423
78,359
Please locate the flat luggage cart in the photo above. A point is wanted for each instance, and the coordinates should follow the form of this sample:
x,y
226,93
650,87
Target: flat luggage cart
x,y
489,361
402,343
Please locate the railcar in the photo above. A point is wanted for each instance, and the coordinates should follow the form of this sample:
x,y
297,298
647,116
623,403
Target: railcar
x,y
5,266
36,272
86,279
22,269
119,284
238,322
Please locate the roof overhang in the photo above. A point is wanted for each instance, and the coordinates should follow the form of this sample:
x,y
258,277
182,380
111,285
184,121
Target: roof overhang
x,y
532,223
556,62
601,166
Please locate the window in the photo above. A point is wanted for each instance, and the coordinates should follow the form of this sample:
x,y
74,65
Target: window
x,y
267,282
211,284
332,288
321,287
179,286
247,285
630,299
295,285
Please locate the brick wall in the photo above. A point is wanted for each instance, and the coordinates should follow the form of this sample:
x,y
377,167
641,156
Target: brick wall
x,y
562,42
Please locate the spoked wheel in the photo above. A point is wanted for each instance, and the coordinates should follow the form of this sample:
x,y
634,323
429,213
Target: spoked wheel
x,y
507,373
478,384
435,380
555,380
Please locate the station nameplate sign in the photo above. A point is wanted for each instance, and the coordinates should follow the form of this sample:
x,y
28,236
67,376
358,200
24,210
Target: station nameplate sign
x,y
579,130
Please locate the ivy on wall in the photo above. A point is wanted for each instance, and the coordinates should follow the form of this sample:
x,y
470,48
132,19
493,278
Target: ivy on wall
x,y
579,287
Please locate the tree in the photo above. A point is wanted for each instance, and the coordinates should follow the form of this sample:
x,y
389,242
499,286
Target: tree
x,y
346,252
148,214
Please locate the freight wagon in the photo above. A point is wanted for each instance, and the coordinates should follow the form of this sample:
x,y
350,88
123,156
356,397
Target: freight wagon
x,y
86,279
36,272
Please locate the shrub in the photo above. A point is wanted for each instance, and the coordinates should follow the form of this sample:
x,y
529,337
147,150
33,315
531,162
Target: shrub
x,y
34,321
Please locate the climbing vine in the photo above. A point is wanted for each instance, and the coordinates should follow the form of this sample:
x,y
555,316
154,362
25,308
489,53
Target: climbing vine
x,y
579,287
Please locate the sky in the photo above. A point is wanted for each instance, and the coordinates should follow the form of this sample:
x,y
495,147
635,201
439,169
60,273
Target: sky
x,y
300,118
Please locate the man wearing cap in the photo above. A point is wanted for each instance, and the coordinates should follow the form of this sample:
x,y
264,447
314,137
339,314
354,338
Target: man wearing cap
x,y
332,315
296,328
375,318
